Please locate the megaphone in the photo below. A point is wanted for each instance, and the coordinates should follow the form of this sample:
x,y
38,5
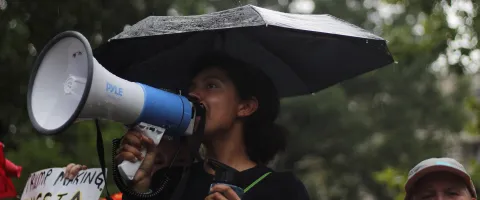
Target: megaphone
x,y
68,84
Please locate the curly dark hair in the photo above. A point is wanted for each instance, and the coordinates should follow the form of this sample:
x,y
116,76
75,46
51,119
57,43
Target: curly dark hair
x,y
262,136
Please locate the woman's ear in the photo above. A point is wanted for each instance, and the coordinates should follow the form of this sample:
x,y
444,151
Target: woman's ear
x,y
247,107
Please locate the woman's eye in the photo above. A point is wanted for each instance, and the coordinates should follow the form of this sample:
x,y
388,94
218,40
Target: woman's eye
x,y
211,85
452,193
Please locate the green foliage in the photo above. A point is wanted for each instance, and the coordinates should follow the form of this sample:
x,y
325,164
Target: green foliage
x,y
394,179
474,171
369,131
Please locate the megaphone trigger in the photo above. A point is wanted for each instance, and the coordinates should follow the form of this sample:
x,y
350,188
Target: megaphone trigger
x,y
128,169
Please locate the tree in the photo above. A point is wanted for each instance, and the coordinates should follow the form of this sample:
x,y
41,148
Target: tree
x,y
366,133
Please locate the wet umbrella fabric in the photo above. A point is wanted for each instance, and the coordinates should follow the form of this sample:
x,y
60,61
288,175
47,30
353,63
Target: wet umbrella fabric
x,y
301,53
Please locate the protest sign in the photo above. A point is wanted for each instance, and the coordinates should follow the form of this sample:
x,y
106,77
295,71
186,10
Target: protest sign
x,y
50,184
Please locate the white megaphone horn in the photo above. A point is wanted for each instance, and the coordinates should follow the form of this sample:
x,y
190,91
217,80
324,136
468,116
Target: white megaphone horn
x,y
68,84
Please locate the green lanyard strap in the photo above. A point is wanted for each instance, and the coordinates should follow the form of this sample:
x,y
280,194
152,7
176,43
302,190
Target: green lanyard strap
x,y
256,182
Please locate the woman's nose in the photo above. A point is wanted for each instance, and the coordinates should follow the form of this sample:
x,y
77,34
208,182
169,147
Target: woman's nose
x,y
441,196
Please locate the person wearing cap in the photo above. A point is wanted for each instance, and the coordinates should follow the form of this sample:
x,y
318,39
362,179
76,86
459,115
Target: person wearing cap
x,y
439,179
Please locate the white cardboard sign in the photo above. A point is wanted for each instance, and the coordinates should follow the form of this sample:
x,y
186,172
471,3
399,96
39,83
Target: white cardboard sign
x,y
50,184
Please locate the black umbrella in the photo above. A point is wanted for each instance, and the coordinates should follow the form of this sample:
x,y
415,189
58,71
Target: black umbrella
x,y
301,53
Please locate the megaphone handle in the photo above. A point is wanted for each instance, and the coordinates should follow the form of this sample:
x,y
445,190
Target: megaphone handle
x,y
128,169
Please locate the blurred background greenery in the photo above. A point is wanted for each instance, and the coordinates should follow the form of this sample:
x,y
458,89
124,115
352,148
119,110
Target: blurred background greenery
x,y
356,140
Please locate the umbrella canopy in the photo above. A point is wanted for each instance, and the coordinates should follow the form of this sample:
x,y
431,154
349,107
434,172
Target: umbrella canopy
x,y
302,54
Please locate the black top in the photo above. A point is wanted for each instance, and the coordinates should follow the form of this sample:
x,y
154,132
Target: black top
x,y
277,185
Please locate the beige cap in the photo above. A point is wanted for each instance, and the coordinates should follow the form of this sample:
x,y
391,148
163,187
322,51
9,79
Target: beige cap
x,y
438,165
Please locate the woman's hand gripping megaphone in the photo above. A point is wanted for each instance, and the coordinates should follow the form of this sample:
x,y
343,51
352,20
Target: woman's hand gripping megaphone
x,y
130,150
156,156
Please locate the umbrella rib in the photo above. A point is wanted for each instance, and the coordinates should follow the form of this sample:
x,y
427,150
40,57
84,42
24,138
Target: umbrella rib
x,y
294,72
263,47
242,42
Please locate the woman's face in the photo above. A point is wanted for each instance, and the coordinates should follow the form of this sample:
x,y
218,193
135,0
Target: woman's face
x,y
213,88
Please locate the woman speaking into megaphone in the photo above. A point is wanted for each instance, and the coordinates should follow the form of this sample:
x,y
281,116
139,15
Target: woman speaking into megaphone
x,y
241,106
